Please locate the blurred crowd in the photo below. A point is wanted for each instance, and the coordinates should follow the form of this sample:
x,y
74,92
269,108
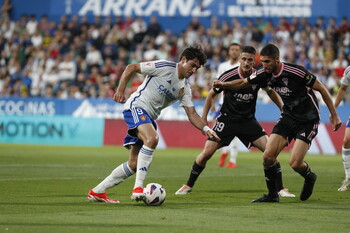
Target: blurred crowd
x,y
78,58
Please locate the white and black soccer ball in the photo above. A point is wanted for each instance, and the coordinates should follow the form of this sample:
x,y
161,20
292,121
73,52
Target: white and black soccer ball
x,y
154,194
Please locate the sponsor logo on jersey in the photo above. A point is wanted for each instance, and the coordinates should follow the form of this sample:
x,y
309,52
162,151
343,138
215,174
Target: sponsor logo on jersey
x,y
243,97
282,90
165,92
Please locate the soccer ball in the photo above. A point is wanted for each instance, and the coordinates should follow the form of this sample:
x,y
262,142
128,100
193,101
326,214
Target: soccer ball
x,y
154,194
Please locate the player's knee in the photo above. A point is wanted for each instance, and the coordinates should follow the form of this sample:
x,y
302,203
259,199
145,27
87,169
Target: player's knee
x,y
346,143
295,164
152,141
268,159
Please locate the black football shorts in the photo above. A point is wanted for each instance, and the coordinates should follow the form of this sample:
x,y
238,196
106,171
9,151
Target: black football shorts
x,y
247,130
292,129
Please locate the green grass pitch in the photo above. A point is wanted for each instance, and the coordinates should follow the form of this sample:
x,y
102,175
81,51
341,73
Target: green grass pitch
x,y
43,189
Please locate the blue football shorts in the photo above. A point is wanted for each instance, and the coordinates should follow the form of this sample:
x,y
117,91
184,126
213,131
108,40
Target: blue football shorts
x,y
133,118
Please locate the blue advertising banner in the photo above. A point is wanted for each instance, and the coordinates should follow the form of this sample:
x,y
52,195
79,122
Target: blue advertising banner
x,y
54,130
175,14
108,109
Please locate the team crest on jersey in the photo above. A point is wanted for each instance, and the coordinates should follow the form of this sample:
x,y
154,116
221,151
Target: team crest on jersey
x,y
254,86
182,90
143,117
285,81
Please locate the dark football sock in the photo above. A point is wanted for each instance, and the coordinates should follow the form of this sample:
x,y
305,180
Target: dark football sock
x,y
195,172
305,173
270,178
279,181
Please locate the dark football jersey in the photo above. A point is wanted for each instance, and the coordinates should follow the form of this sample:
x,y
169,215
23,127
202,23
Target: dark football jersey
x,y
238,104
293,84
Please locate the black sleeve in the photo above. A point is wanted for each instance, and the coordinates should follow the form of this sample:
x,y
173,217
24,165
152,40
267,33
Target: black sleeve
x,y
260,79
310,79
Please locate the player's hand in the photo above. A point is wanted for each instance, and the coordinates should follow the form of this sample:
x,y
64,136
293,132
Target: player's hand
x,y
211,133
217,84
335,121
119,97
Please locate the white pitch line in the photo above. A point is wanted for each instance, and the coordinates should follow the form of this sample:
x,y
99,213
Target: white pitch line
x,y
45,165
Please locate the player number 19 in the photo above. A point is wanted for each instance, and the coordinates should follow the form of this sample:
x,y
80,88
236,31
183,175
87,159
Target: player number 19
x,y
219,126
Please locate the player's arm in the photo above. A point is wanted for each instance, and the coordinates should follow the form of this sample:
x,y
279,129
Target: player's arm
x,y
209,102
128,73
274,97
199,123
334,118
340,95
235,84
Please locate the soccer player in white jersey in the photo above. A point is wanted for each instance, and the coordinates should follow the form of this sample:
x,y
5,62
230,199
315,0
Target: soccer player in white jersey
x,y
234,51
165,83
345,81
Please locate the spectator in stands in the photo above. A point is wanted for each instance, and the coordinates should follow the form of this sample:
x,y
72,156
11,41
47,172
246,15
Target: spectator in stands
x,y
32,25
139,28
93,57
67,68
154,28
24,39
6,8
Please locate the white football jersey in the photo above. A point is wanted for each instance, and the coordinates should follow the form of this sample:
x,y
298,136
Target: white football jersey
x,y
345,80
161,88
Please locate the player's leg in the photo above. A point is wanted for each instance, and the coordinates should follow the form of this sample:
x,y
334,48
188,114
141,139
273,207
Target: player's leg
x,y
198,166
117,176
297,162
233,153
224,152
346,158
148,134
274,146
260,143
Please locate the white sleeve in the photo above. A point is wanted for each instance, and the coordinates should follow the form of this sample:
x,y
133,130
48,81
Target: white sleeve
x,y
345,80
148,68
157,68
186,100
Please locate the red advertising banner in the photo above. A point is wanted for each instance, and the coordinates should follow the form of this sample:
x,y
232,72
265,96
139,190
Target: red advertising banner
x,y
183,134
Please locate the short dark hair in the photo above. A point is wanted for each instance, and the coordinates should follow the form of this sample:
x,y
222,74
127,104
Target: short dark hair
x,y
235,44
194,52
270,50
248,49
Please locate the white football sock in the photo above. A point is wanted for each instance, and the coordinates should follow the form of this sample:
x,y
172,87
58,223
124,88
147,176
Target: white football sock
x,y
233,150
143,162
117,176
346,162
